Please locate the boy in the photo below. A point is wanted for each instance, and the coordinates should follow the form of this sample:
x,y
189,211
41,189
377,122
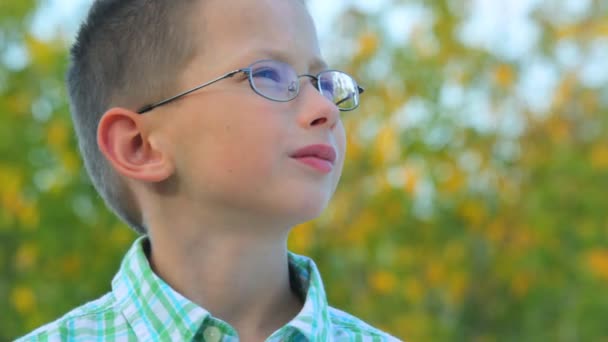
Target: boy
x,y
213,177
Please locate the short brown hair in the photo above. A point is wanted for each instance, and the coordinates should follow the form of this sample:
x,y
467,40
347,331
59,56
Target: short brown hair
x,y
127,53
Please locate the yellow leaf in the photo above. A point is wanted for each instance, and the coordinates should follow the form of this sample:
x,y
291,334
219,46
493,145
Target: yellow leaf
x,y
416,325
57,134
597,262
457,287
354,149
383,282
26,256
504,75
42,52
120,235
368,44
18,103
559,130
454,252
387,146
566,31
23,299
601,28
71,162
412,178
522,238
564,91
473,212
340,209
496,231
599,157
11,199
29,217
71,265
302,237
413,290
454,182
520,284
435,273
405,257
364,225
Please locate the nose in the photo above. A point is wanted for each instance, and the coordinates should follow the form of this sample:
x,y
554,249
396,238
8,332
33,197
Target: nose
x,y
316,110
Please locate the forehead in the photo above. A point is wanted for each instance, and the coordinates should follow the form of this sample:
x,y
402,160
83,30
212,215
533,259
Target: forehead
x,y
240,31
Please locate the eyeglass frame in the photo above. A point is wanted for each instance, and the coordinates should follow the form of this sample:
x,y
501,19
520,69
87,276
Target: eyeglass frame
x,y
248,71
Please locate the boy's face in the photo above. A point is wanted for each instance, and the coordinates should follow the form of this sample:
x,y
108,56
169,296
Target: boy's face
x,y
231,147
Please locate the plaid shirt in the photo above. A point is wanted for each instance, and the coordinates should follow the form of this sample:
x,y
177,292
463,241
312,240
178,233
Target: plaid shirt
x,y
142,307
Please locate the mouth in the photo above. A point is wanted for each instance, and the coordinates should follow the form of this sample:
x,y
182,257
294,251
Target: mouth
x,y
319,157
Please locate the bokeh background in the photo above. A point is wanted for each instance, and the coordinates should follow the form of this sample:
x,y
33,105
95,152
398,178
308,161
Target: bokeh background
x,y
473,202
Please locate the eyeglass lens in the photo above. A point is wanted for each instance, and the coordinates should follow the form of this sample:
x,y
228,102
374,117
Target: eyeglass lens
x,y
278,81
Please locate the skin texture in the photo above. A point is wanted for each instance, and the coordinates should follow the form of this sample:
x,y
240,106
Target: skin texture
x,y
212,172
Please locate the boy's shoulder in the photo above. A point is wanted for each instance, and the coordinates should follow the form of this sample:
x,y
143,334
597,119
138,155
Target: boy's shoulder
x,y
341,325
86,320
347,326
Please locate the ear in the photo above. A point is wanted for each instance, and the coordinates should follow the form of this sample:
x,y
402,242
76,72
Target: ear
x,y
122,139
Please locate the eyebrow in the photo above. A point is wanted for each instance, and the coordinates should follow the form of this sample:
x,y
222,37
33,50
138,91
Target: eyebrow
x,y
317,64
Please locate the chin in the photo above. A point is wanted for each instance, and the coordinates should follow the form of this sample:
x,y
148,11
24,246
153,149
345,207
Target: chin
x,y
310,209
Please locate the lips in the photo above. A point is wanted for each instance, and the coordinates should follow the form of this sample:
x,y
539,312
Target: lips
x,y
320,157
319,151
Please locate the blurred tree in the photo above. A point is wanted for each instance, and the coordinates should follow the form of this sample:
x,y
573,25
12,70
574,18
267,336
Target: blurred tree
x,y
59,246
471,205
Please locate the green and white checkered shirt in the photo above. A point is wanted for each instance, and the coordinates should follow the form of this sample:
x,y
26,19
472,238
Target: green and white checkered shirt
x,y
142,307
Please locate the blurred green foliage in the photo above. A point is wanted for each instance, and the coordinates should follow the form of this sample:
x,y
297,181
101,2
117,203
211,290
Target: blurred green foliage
x,y
472,205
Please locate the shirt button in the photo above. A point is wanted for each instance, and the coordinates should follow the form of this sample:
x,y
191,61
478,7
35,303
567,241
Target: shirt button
x,y
212,334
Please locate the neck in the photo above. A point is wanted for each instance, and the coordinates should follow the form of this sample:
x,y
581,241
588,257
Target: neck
x,y
239,275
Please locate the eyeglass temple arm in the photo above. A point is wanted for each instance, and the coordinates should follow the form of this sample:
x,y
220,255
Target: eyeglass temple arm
x,y
148,108
360,89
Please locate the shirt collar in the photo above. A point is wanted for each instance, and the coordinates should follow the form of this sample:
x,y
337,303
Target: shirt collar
x,y
313,321
155,310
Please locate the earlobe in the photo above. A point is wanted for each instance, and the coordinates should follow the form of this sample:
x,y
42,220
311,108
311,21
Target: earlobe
x,y
123,140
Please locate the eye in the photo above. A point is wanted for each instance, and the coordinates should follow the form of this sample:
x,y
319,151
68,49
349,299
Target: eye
x,y
267,74
327,85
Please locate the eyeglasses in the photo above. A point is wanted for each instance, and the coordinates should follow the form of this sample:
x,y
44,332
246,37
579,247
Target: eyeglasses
x,y
278,81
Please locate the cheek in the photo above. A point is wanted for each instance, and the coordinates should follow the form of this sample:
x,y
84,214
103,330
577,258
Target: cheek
x,y
341,139
340,136
233,144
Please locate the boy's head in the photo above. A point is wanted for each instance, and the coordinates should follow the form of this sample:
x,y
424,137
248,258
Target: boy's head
x,y
225,149
127,52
